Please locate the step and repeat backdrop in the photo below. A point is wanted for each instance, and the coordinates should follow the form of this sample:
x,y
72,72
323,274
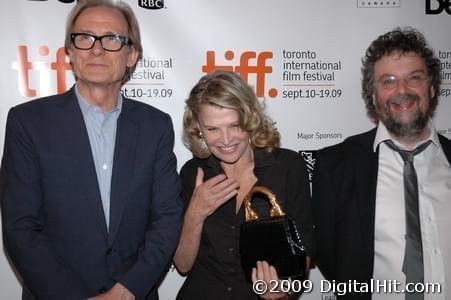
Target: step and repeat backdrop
x,y
303,58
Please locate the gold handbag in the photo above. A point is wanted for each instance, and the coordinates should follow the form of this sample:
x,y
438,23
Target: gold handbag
x,y
274,239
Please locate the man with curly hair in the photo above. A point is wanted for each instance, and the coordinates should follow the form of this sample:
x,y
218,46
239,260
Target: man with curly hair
x,y
379,215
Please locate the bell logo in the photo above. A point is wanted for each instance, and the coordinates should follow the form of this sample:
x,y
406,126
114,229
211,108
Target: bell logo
x,y
63,1
435,7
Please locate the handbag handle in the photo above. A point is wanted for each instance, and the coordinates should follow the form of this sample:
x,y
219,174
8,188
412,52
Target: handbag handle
x,y
250,214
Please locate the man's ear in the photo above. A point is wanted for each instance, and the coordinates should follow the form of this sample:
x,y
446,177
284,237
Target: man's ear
x,y
432,92
132,57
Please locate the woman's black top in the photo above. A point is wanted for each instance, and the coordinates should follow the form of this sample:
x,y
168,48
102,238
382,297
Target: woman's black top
x,y
216,273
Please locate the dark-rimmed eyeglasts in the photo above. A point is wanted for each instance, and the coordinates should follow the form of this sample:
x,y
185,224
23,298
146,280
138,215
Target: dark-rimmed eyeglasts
x,y
109,42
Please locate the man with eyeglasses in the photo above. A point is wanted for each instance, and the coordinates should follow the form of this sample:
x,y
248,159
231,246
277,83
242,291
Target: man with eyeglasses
x,y
90,191
382,199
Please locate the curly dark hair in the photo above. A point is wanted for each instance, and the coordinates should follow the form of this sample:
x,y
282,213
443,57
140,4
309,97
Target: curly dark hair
x,y
402,40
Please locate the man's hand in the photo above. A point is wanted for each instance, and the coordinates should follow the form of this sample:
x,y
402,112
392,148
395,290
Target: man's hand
x,y
117,292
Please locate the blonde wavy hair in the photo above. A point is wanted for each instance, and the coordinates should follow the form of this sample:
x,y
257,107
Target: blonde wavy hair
x,y
227,90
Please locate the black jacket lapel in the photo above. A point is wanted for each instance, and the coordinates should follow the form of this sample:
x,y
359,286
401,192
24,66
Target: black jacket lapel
x,y
124,158
78,142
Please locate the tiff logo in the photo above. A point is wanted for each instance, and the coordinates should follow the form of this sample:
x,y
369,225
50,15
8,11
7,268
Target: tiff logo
x,y
249,63
44,69
438,7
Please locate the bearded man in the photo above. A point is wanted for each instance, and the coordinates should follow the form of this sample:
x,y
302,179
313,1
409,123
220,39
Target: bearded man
x,y
382,199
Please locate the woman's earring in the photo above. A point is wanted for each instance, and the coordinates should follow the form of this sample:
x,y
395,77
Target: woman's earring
x,y
202,140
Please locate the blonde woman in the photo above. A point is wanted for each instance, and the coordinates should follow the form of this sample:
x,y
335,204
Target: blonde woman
x,y
235,147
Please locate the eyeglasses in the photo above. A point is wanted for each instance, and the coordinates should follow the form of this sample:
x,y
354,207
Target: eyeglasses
x,y
390,82
109,42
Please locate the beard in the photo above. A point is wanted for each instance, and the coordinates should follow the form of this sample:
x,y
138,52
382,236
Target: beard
x,y
413,127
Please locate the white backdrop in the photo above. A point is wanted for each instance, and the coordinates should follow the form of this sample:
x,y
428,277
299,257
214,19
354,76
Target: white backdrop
x,y
302,56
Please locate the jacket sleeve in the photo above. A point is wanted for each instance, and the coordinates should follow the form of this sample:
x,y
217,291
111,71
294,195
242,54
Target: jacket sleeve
x,y
323,201
24,225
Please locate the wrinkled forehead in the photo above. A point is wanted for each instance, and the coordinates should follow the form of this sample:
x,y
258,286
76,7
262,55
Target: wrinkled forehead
x,y
101,19
399,63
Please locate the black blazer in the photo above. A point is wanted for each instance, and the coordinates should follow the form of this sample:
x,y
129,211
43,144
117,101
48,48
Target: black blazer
x,y
53,222
344,196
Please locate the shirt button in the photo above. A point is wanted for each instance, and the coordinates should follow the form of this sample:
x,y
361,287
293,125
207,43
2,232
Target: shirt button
x,y
435,251
232,227
229,289
231,249
104,167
